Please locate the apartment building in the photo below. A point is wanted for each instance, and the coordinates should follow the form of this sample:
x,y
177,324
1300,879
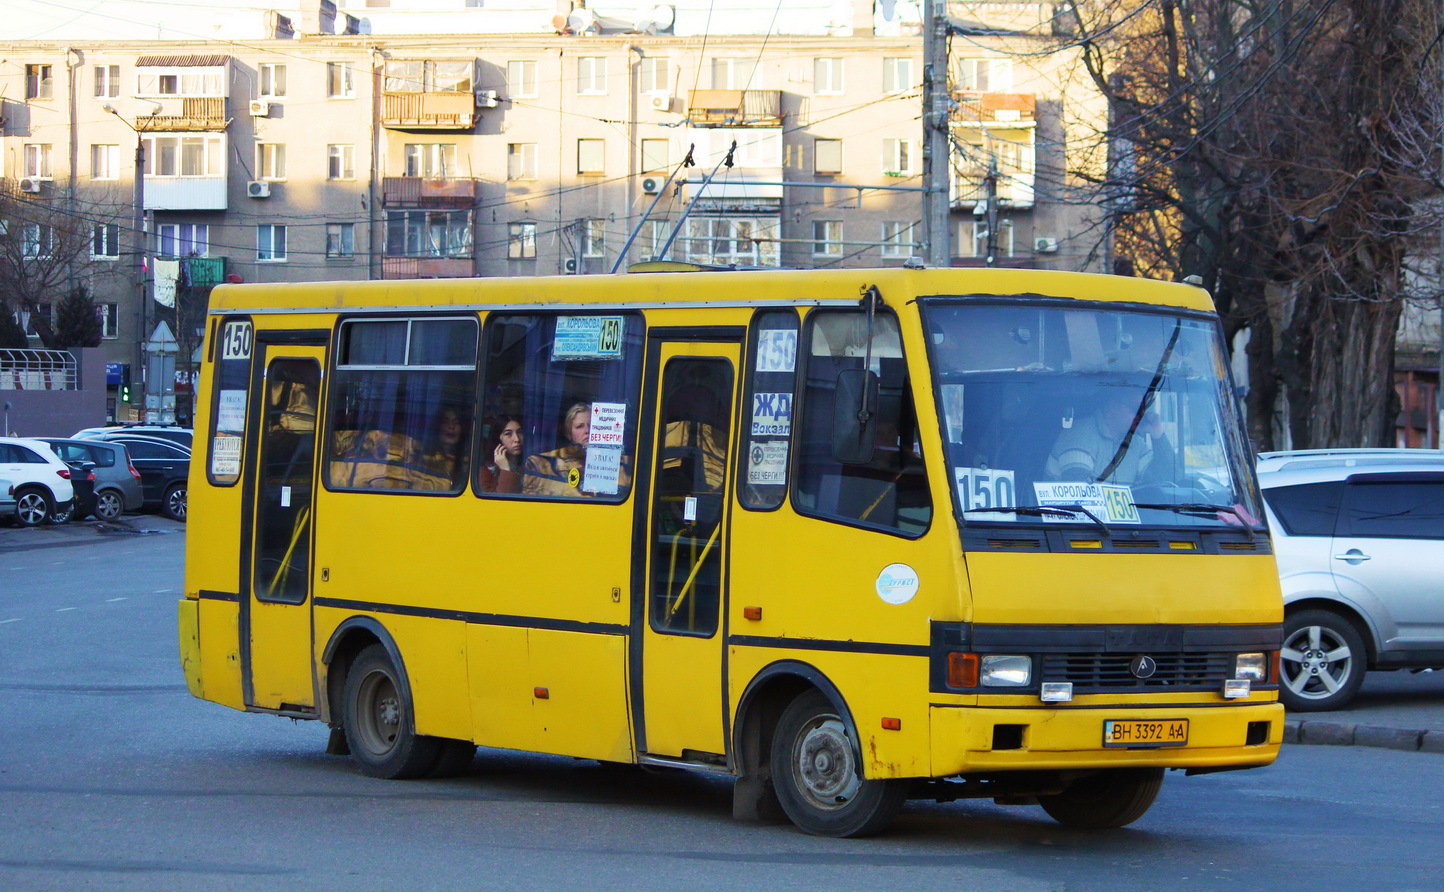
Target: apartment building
x,y
303,154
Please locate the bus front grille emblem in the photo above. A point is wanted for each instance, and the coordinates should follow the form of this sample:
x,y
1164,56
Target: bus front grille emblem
x,y
1143,666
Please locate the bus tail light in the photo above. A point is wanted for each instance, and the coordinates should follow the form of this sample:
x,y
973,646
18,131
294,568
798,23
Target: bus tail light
x,y
962,670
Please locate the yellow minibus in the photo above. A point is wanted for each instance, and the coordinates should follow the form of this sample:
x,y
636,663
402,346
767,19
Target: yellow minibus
x,y
851,537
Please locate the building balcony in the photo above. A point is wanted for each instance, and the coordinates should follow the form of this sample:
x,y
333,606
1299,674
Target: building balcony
x,y
426,192
995,109
428,111
734,108
189,113
426,268
185,193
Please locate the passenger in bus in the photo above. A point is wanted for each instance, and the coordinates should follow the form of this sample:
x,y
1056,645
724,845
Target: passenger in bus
x,y
561,471
445,460
503,474
1100,447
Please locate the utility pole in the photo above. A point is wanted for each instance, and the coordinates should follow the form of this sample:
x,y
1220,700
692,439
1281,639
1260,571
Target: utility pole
x,y
138,236
991,255
1439,383
936,181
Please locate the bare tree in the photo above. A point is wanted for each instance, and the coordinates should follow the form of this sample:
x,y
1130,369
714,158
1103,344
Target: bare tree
x,y
1280,150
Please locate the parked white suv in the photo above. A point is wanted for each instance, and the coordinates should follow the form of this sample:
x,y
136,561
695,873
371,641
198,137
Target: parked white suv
x,y
38,482
1359,537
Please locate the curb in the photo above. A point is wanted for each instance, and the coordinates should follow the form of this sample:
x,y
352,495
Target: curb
x,y
1344,734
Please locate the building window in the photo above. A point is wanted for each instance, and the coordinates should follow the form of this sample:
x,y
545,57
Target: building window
x,y
735,74
897,157
340,80
827,77
155,81
109,315
340,162
271,160
340,239
748,241
594,238
428,76
183,156
270,242
973,240
273,81
592,75
655,155
104,162
105,241
985,75
827,238
521,80
827,156
434,160
591,156
183,239
39,84
37,160
521,241
897,238
654,75
37,240
107,81
521,161
428,233
897,74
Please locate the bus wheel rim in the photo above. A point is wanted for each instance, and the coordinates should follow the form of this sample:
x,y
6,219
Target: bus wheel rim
x,y
823,764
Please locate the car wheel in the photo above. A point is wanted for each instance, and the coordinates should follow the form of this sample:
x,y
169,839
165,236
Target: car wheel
x,y
32,506
378,719
1108,799
108,505
1322,662
173,505
817,776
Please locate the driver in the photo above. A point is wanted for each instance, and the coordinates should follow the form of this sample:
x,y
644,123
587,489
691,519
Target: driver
x,y
1100,447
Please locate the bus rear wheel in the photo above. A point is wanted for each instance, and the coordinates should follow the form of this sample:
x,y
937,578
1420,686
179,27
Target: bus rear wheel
x,y
1108,799
817,776
379,721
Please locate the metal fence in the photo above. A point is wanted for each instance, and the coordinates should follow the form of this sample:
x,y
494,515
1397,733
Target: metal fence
x,y
37,370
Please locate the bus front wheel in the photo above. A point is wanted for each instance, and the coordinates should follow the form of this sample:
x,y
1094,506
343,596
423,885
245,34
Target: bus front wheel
x,y
1108,799
817,776
379,721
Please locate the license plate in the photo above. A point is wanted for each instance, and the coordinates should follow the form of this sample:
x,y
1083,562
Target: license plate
x,y
1139,732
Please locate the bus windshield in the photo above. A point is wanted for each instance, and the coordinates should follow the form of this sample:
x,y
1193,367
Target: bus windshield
x,y
1088,414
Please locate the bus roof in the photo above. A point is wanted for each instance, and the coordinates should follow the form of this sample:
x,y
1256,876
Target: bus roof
x,y
729,288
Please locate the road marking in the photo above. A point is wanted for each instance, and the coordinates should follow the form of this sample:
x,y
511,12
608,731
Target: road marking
x,y
109,600
16,620
63,609
162,591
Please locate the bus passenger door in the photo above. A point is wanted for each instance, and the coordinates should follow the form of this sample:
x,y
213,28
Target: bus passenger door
x,y
681,642
277,515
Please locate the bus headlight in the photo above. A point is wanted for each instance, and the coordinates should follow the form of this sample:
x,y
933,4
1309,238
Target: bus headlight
x,y
1006,671
1253,667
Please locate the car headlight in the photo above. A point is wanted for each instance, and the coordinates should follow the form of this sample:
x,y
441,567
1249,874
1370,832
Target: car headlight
x,y
1006,670
1254,667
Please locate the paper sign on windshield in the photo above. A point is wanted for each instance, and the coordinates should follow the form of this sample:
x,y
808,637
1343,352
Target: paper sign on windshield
x,y
1108,502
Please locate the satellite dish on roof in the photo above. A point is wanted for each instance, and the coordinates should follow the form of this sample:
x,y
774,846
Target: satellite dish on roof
x,y
580,20
662,16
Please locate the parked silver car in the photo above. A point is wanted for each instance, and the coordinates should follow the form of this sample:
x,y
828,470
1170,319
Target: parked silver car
x,y
1359,537
117,481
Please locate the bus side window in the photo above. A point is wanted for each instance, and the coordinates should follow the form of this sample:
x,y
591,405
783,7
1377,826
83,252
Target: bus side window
x,y
560,405
889,489
401,405
771,383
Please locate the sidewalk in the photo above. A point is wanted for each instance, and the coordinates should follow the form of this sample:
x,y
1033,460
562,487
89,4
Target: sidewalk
x,y
1395,710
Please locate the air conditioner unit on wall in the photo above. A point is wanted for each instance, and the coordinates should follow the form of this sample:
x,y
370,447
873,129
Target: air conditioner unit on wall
x,y
258,189
30,184
569,265
260,108
486,99
661,101
1045,245
652,185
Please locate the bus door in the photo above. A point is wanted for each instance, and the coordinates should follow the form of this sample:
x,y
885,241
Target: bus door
x,y
280,479
685,552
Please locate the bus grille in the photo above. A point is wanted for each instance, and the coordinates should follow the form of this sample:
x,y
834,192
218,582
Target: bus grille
x,y
1110,672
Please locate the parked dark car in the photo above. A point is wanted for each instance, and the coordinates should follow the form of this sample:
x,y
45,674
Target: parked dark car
x,y
117,481
164,466
172,432
82,482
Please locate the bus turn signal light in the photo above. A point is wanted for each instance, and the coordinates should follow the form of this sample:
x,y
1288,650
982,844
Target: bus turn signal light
x,y
752,613
541,693
892,724
962,670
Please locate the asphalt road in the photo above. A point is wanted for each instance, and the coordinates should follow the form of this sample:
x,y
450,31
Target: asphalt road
x,y
113,777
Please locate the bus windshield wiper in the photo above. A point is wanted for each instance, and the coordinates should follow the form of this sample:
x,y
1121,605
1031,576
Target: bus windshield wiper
x,y
1201,509
1069,511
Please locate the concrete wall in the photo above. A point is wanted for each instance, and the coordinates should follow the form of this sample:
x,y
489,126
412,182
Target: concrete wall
x,y
59,413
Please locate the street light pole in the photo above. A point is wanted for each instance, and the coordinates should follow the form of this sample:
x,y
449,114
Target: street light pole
x,y
138,239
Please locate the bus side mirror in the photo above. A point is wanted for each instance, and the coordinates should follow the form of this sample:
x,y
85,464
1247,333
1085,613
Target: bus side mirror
x,y
854,416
